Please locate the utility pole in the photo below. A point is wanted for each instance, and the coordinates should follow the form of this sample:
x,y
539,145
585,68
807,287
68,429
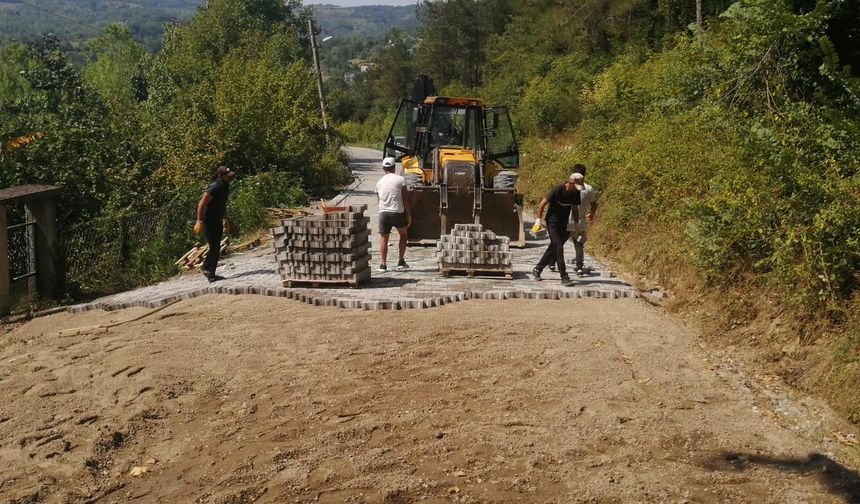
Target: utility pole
x,y
318,71
698,12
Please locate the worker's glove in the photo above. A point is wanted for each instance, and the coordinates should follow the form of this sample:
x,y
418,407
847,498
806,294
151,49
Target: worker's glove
x,y
590,217
537,227
198,227
227,227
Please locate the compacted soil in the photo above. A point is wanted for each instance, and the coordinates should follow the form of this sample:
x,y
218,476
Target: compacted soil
x,y
252,399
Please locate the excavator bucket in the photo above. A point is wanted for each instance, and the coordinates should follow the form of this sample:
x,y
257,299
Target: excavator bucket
x,y
426,218
501,212
459,199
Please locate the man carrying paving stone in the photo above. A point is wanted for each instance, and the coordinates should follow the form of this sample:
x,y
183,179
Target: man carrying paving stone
x,y
394,212
212,219
578,228
562,200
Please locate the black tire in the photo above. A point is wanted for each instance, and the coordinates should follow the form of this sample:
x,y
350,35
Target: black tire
x,y
413,179
505,180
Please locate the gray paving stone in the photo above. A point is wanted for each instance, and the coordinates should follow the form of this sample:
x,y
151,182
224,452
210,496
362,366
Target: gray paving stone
x,y
421,287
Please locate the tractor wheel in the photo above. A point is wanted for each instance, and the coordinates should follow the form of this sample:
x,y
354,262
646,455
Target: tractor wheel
x,y
505,180
413,179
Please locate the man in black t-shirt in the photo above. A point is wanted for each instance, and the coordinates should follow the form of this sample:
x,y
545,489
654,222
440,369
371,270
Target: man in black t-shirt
x,y
562,200
212,219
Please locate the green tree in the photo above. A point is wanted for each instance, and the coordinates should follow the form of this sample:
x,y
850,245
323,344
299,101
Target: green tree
x,y
13,61
454,35
114,60
234,86
79,151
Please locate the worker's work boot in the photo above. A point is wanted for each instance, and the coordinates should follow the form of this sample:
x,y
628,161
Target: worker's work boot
x,y
536,274
565,280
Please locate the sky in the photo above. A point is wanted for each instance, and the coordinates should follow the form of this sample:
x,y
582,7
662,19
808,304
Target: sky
x,y
353,3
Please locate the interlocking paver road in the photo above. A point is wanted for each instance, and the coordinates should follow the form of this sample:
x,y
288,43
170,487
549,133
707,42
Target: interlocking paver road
x,y
419,287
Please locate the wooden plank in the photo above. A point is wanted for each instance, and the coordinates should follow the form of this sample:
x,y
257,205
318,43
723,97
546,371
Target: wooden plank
x,y
187,254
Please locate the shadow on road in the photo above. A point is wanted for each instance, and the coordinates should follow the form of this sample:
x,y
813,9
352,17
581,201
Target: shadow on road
x,y
838,479
255,272
385,282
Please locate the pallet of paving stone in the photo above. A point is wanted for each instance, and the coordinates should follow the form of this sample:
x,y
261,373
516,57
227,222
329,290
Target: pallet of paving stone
x,y
339,268
329,250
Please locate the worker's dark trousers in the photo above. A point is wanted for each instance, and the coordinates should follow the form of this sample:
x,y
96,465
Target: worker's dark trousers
x,y
214,230
579,240
558,234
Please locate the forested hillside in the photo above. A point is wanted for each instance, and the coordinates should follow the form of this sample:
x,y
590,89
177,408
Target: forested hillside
x,y
133,131
727,152
78,20
369,20
74,22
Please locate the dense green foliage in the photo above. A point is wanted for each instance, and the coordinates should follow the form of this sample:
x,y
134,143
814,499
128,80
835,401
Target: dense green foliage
x,y
252,195
133,131
738,139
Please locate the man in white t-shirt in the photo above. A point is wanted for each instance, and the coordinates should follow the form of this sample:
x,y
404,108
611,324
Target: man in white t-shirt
x,y
394,212
587,208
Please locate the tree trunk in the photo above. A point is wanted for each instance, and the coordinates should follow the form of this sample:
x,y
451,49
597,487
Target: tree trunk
x,y
698,12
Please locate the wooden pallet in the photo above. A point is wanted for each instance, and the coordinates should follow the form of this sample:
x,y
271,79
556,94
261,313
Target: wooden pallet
x,y
506,273
195,257
352,284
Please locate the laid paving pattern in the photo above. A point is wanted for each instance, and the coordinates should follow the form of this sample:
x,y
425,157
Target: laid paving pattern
x,y
419,287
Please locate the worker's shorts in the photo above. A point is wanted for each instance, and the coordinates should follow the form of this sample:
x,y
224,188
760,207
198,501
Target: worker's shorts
x,y
388,220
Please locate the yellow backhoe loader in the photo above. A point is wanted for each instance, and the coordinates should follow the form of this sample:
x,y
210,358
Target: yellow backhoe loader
x,y
460,160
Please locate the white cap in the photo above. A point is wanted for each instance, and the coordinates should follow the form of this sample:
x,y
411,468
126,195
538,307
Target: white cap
x,y
388,162
577,179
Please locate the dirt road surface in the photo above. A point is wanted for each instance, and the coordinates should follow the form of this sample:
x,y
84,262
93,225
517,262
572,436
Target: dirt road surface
x,y
239,399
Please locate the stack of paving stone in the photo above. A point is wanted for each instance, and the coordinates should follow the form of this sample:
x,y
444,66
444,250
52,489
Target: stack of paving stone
x,y
332,248
471,250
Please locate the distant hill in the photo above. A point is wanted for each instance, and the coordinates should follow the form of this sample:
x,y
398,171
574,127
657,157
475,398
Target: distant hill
x,y
365,20
78,20
75,21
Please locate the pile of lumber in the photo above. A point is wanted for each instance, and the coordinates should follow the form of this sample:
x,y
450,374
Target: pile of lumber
x,y
194,257
472,251
329,249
